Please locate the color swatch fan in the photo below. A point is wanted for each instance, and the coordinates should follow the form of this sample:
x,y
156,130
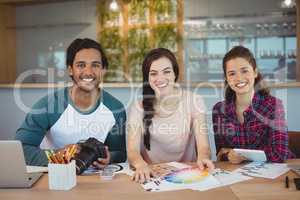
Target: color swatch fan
x,y
186,176
179,179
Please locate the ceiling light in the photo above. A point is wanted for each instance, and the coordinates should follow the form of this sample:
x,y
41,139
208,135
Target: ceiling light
x,y
114,5
288,3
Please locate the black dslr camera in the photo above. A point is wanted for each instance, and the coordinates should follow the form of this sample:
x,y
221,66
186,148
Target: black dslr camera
x,y
90,150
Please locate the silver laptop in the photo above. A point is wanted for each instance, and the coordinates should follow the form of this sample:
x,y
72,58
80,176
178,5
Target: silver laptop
x,y
13,172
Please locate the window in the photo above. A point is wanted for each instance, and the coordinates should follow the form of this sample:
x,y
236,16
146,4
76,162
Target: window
x,y
39,36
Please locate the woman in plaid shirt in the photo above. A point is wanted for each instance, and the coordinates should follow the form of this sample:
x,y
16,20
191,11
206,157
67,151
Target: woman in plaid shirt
x,y
249,118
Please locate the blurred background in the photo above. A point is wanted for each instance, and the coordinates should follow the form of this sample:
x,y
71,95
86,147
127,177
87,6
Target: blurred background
x,y
34,35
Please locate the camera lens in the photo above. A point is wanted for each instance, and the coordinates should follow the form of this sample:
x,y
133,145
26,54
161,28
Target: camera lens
x,y
84,159
90,150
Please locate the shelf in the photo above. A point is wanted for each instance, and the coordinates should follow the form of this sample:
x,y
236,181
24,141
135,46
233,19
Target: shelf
x,y
139,85
220,58
276,58
269,58
40,26
205,59
140,25
28,2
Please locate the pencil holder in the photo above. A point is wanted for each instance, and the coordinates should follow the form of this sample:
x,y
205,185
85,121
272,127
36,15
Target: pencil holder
x,y
62,176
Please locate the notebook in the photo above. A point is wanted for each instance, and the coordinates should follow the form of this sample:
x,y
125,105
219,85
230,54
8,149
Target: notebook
x,y
13,173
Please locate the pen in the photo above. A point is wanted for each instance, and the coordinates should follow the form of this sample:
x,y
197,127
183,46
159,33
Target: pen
x,y
59,158
48,156
286,182
72,151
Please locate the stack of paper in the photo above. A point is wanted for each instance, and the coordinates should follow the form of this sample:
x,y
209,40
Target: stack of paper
x,y
264,170
228,178
217,178
36,169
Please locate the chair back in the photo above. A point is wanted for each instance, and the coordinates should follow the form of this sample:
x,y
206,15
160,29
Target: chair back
x,y
294,142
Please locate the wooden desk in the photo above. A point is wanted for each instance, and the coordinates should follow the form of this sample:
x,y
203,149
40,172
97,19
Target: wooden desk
x,y
264,189
121,188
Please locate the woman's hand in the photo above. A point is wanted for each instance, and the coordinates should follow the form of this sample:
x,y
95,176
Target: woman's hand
x,y
235,158
205,163
223,153
142,173
231,156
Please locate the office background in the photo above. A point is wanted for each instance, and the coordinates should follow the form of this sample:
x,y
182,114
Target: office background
x,y
45,30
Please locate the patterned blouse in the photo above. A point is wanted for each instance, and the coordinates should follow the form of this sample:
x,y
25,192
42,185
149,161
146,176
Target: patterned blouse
x,y
264,127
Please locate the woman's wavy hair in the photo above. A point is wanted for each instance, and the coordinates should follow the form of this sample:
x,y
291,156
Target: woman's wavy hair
x,y
243,52
148,92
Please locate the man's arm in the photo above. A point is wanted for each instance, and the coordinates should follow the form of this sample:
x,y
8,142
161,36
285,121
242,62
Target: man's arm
x,y
32,132
116,139
34,155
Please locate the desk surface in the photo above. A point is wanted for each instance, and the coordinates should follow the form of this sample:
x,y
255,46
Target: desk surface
x,y
121,187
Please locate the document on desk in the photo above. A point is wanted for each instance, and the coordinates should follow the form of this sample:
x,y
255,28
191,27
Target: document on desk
x,y
263,170
126,169
228,178
178,165
158,168
118,168
35,169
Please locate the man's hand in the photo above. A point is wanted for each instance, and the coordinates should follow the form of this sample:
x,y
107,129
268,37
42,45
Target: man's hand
x,y
102,162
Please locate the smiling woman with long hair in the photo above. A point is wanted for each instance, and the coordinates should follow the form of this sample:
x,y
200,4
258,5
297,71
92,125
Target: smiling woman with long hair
x,y
168,124
249,118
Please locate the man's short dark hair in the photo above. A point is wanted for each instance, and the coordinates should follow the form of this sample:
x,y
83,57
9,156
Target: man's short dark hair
x,y
86,43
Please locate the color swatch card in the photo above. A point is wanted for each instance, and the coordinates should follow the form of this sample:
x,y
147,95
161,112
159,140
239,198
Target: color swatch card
x,y
264,170
187,178
163,169
178,165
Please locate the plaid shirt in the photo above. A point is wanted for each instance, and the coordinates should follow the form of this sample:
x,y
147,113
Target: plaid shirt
x,y
264,127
